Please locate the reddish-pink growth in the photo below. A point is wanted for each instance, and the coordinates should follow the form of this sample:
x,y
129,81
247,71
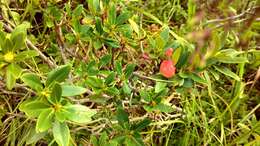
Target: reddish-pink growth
x,y
169,52
167,69
146,56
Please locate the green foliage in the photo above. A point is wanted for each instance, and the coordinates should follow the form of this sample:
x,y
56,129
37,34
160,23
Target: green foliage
x,y
88,73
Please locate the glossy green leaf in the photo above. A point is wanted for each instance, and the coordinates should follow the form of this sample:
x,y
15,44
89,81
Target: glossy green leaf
x,y
34,137
58,75
159,86
94,82
71,90
112,91
118,67
103,140
105,60
176,55
10,79
197,78
45,119
134,26
79,113
78,10
141,125
60,115
56,93
127,90
13,72
145,95
94,140
25,55
18,35
122,116
33,108
165,34
32,80
7,45
129,70
163,108
61,133
227,72
110,78
94,6
112,15
112,43
123,17
130,141
99,26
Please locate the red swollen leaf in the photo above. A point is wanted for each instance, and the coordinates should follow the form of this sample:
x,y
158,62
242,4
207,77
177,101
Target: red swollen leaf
x,y
169,52
167,69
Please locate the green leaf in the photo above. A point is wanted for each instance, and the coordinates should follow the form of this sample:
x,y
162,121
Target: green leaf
x,y
77,11
79,113
34,136
44,122
7,45
226,59
32,80
188,83
127,90
13,72
97,44
227,72
110,78
25,55
103,140
197,78
163,108
129,70
130,141
141,125
183,59
58,75
112,15
122,18
159,86
33,108
112,91
94,82
10,79
165,34
56,93
112,43
122,116
145,95
134,26
118,67
61,133
105,60
94,6
94,141
99,26
71,90
176,55
60,115
18,36
18,41
160,43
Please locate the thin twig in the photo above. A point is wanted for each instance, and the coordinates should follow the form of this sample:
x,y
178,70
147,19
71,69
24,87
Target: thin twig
x,y
60,40
232,17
